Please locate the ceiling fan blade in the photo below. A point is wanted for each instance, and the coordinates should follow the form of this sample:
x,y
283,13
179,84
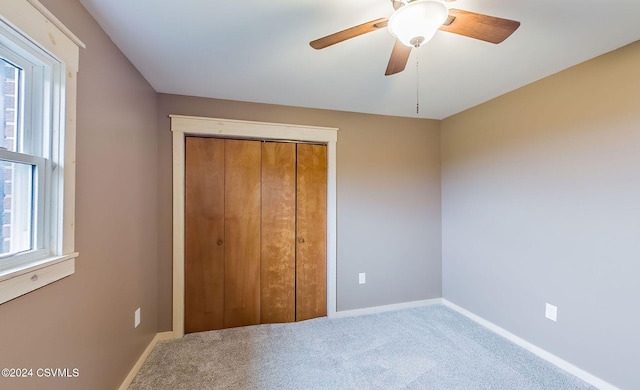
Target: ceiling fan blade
x,y
349,33
399,58
484,27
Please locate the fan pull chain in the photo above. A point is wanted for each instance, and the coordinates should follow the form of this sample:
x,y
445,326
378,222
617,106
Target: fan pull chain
x,y
417,83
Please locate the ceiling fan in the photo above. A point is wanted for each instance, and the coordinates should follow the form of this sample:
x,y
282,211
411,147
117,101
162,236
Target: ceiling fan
x,y
414,22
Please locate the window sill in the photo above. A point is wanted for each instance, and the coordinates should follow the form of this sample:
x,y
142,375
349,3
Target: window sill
x,y
22,279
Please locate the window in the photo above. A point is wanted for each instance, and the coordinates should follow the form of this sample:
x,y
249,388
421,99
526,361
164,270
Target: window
x,y
26,154
37,136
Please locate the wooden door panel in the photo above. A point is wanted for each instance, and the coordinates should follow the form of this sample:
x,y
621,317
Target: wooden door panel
x,y
278,278
311,232
242,232
204,234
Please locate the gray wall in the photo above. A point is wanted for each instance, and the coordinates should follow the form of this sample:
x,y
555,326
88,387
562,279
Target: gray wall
x,y
540,192
388,195
85,321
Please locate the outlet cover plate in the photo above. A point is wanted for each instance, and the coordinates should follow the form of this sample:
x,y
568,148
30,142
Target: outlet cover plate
x,y
136,318
362,279
551,312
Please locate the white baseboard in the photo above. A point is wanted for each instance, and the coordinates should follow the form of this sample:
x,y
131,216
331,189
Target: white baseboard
x,y
134,370
548,356
381,309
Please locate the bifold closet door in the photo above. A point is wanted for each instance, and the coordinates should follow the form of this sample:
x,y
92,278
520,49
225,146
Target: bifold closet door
x,y
278,276
255,232
204,234
242,232
311,232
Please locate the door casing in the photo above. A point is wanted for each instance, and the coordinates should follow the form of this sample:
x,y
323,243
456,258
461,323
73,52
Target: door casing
x,y
183,126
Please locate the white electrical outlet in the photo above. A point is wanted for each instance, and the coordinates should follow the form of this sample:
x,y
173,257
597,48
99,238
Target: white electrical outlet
x,y
136,318
362,279
551,312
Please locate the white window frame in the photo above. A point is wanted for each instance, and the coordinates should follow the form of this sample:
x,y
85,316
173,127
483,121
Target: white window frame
x,y
35,29
40,74
34,81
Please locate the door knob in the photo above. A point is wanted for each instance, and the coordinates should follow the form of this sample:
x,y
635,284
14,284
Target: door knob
x,y
220,242
301,240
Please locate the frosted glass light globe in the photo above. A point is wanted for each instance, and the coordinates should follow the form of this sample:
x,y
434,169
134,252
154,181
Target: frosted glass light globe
x,y
417,22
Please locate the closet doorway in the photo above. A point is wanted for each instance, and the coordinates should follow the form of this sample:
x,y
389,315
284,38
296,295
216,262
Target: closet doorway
x,y
255,232
186,126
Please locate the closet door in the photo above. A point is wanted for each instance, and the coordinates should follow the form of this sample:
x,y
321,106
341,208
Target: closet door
x,y
204,234
242,232
255,233
278,278
311,232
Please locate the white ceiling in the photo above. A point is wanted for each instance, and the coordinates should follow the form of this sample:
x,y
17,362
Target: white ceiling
x,y
258,50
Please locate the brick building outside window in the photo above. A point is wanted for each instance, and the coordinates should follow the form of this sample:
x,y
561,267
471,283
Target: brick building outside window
x,y
9,101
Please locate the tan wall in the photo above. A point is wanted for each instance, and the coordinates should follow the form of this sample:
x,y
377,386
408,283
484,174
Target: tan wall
x,y
388,199
540,204
85,321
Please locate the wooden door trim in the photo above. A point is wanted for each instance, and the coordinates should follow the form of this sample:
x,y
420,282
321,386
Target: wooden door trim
x,y
183,126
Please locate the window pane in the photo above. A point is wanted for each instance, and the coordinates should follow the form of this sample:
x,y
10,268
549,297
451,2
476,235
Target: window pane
x,y
9,106
17,207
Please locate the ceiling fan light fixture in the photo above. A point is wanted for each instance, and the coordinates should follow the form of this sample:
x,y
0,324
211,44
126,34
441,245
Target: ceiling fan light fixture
x,y
418,21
